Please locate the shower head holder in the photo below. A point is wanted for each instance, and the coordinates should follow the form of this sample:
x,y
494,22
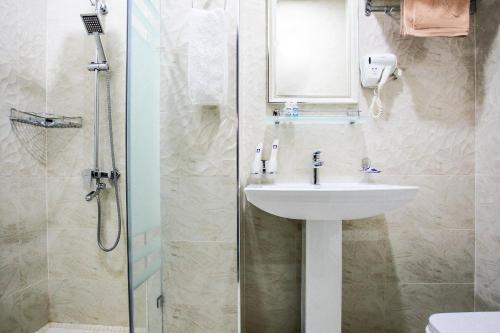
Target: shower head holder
x,y
100,6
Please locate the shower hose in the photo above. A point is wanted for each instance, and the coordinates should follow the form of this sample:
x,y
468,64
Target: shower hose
x,y
113,179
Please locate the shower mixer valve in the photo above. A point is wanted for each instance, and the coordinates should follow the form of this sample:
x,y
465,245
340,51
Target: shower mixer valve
x,y
89,174
112,175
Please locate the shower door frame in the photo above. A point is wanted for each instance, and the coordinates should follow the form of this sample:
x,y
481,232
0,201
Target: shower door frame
x,y
129,219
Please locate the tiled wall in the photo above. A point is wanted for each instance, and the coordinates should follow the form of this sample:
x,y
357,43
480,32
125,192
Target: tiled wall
x,y
397,268
488,157
86,285
43,56
23,225
198,187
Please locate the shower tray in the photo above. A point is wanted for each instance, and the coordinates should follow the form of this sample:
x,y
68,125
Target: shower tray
x,y
44,120
78,328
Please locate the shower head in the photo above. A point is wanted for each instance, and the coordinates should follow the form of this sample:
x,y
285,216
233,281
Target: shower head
x,y
94,27
92,24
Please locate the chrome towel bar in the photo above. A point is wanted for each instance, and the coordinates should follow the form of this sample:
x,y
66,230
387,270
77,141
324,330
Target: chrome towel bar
x,y
389,9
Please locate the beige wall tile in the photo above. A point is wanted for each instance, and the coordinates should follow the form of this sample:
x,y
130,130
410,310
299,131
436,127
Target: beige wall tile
x,y
88,301
270,239
82,257
33,257
435,257
487,264
365,251
34,312
198,208
271,270
181,318
408,306
200,273
268,308
10,313
200,287
10,271
363,308
442,202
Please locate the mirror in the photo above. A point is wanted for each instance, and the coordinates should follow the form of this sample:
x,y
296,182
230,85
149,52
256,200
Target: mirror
x,y
313,51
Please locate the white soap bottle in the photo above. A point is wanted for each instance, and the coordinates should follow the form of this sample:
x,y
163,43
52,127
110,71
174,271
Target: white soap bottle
x,y
257,162
273,160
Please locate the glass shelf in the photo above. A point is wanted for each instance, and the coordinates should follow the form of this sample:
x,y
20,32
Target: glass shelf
x,y
340,117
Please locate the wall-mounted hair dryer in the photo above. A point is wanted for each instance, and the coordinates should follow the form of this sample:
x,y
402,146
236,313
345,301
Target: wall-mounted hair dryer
x,y
376,69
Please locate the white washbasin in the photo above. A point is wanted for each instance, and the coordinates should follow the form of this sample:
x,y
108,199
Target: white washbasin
x,y
329,201
324,207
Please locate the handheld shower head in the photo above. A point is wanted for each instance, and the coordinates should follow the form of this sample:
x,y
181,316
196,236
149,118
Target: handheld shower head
x,y
93,26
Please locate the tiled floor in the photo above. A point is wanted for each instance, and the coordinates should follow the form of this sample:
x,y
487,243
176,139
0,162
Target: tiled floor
x,y
77,328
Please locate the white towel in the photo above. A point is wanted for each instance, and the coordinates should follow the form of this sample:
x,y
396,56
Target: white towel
x,y
208,57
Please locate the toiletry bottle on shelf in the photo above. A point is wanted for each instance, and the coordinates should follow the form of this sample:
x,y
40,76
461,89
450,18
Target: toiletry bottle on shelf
x,y
295,109
291,109
273,160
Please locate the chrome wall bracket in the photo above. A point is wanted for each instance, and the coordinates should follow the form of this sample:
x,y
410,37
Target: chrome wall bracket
x,y
388,9
103,66
366,166
100,6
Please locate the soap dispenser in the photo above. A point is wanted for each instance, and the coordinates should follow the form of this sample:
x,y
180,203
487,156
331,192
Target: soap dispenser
x,y
273,160
257,162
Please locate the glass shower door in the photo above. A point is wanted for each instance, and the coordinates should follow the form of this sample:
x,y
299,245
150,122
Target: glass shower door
x,y
143,166
182,134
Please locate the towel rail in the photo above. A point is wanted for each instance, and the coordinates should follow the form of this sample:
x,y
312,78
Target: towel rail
x,y
389,9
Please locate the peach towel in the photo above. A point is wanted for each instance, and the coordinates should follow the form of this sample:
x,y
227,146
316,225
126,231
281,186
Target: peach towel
x,y
429,18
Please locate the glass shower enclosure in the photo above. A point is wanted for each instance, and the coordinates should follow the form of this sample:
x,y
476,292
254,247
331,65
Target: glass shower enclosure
x,y
181,169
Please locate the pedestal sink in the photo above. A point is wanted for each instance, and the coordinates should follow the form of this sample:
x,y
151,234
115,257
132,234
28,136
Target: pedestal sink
x,y
324,207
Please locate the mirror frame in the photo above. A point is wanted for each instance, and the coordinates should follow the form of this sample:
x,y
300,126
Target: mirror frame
x,y
352,53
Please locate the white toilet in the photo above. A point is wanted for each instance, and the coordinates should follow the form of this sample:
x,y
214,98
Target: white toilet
x,y
464,322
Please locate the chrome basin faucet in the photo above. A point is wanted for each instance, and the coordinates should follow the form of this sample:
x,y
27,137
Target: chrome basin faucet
x,y
317,163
